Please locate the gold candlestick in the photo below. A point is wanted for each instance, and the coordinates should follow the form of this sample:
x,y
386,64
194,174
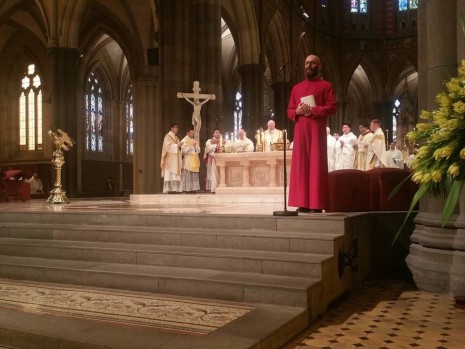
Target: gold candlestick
x,y
61,141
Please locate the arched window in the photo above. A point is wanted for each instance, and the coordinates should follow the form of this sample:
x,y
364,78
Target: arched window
x,y
30,110
395,115
237,114
358,6
129,122
94,114
405,5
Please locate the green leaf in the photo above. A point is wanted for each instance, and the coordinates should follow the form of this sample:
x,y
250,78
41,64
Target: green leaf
x,y
398,187
451,200
418,195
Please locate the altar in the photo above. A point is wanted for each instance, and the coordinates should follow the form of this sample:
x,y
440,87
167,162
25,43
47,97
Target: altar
x,y
252,172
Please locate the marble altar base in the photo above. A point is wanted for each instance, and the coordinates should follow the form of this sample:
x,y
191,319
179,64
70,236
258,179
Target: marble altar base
x,y
252,172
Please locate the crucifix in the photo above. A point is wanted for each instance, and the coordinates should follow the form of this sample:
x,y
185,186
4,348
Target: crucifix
x,y
197,100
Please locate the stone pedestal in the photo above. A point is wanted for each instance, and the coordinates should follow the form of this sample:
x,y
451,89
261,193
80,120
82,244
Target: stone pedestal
x,y
437,255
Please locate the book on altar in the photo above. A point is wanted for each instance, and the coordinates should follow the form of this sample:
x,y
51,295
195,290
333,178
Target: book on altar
x,y
310,100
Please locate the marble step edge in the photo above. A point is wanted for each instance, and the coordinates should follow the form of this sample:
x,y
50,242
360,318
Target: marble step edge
x,y
164,272
238,262
279,243
183,221
166,230
255,289
297,257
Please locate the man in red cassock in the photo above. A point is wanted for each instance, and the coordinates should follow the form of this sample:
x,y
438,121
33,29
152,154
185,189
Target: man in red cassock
x,y
312,101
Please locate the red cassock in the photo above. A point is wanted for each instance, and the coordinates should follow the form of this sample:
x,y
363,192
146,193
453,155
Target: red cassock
x,y
308,185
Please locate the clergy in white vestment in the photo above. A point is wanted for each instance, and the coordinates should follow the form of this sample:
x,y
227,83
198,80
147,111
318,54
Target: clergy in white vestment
x,y
362,150
190,163
242,143
272,135
36,184
171,161
331,149
212,146
345,152
376,156
412,156
394,157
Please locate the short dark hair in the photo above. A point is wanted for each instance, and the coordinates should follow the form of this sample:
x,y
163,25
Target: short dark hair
x,y
364,124
174,125
190,129
347,124
216,129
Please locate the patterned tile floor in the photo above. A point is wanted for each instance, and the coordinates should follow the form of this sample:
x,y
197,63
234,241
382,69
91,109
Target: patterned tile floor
x,y
167,313
388,314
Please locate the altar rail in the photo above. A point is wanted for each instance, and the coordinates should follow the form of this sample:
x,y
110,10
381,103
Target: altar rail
x,y
252,172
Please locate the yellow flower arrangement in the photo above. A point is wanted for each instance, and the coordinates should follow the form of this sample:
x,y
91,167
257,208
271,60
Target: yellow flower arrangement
x,y
440,163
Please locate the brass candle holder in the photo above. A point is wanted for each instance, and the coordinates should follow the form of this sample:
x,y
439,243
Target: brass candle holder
x,y
61,141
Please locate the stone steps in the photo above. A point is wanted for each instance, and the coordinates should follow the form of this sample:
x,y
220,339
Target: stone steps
x,y
265,240
279,263
247,261
232,257
203,283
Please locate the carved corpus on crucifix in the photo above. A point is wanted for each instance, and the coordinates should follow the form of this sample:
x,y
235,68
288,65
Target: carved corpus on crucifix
x,y
197,100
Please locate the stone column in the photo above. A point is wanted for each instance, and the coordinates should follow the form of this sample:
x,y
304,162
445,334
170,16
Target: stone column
x,y
441,46
190,44
149,131
176,61
64,109
208,63
437,255
252,97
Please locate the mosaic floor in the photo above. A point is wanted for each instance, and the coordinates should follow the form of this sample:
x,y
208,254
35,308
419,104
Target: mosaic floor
x,y
168,313
388,314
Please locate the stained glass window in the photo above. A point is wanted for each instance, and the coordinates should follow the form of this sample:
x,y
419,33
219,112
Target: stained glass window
x,y
405,5
30,110
395,115
94,114
358,6
129,122
237,114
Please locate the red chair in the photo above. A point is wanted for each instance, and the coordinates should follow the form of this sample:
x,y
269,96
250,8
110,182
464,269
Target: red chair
x,y
349,191
383,181
14,186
